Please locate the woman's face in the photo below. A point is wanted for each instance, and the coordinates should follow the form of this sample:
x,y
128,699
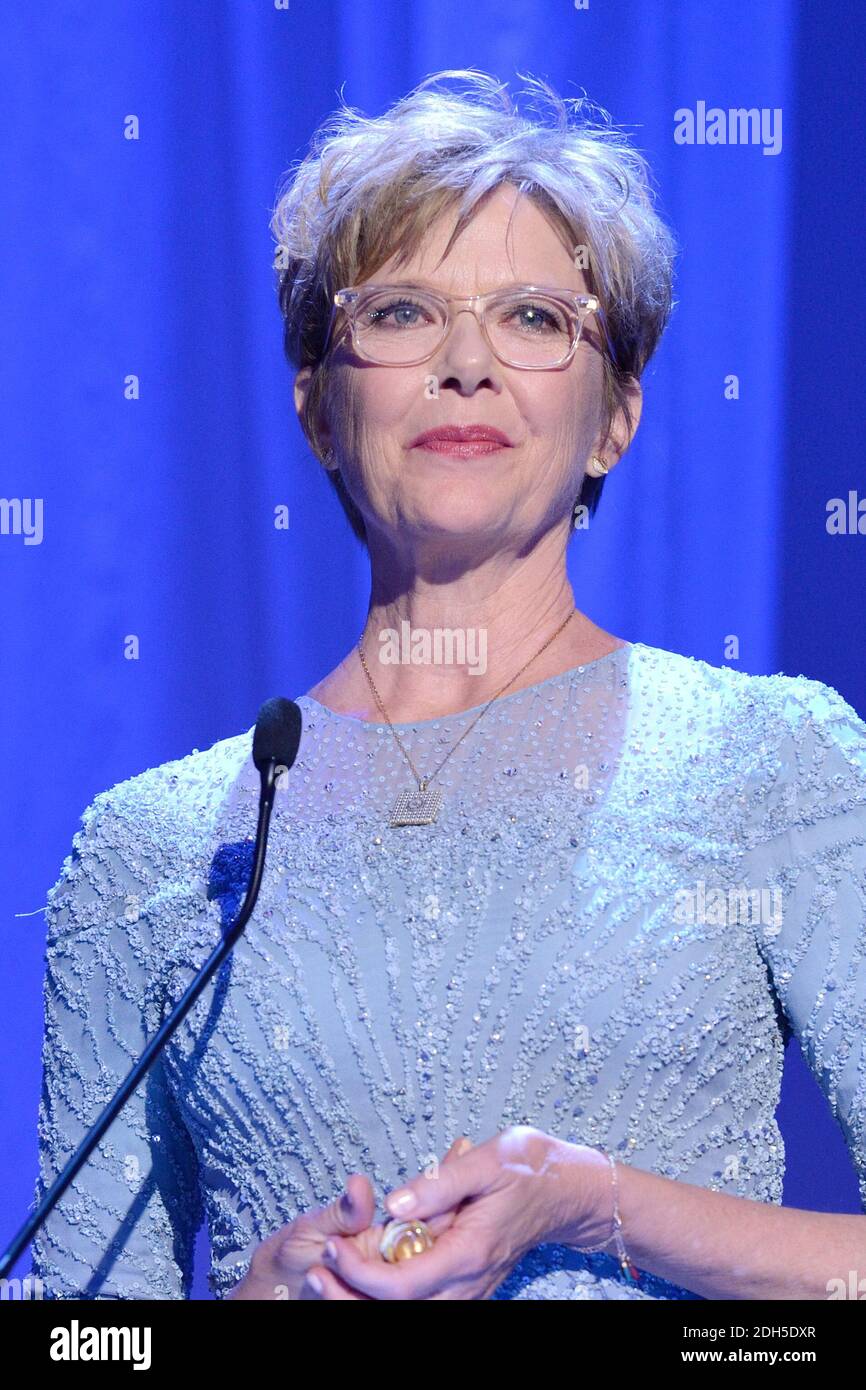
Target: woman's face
x,y
417,498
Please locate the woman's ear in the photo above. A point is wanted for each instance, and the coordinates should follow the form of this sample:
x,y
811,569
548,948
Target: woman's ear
x,y
302,388
621,434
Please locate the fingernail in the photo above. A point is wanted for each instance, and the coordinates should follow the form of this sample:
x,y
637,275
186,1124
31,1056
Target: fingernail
x,y
330,1252
346,1204
314,1282
398,1203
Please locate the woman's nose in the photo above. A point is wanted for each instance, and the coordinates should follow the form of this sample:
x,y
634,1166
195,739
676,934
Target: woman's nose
x,y
465,356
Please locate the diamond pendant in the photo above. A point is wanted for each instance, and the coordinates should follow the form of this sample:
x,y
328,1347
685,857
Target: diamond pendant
x,y
420,807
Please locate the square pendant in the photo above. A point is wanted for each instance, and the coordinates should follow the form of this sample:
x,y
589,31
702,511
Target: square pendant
x,y
417,808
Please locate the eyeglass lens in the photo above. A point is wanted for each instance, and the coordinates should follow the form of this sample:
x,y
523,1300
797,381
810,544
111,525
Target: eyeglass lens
x,y
401,326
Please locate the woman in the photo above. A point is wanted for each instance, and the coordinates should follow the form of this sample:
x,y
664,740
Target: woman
x,y
570,962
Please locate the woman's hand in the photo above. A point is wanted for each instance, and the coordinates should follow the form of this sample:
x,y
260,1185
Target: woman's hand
x,y
516,1191
282,1262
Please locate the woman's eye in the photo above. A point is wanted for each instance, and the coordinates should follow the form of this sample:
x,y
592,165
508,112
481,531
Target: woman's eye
x,y
535,317
401,313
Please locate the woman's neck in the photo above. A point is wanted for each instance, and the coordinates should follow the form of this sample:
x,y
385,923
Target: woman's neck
x,y
430,672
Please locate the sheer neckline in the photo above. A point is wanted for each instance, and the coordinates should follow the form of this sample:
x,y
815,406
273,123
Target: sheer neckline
x,y
526,690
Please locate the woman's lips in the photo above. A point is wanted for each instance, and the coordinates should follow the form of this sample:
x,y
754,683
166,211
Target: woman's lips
x,y
462,448
462,441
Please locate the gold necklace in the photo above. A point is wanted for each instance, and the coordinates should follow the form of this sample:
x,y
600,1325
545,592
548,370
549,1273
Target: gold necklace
x,y
421,807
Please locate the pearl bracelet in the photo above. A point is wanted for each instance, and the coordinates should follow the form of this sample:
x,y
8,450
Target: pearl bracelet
x,y
629,1270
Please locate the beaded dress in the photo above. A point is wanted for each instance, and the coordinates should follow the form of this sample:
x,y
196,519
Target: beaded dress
x,y
646,873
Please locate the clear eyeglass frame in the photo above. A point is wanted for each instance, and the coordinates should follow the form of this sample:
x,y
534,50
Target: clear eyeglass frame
x,y
577,307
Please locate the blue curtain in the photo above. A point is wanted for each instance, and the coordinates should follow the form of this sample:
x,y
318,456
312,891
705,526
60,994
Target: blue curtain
x,y
148,411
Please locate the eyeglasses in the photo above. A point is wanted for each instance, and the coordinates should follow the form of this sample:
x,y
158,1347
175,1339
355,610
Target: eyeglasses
x,y
524,326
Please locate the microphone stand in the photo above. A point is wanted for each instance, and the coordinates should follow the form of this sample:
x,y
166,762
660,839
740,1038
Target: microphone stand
x,y
268,770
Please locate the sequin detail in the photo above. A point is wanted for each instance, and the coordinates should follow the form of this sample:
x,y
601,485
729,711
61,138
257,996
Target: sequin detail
x,y
529,958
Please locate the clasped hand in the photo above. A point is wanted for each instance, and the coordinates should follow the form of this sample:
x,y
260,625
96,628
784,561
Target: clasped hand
x,y
486,1206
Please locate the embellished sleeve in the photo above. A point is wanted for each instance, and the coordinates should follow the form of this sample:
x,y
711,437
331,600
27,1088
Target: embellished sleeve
x,y
807,850
125,1228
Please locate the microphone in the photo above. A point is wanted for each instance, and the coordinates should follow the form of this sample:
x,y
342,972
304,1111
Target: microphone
x,y
275,747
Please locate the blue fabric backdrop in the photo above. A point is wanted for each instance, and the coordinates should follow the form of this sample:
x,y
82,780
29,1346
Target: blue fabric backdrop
x,y
151,258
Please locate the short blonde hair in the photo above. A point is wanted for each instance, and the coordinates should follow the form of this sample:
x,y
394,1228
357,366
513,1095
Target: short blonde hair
x,y
369,188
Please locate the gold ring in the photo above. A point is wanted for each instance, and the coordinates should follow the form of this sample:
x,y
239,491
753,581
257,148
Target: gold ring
x,y
401,1240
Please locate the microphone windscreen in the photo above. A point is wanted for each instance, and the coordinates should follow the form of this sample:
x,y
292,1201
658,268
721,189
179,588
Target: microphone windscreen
x,y
278,733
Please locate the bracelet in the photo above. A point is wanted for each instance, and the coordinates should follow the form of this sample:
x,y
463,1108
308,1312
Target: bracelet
x,y
629,1270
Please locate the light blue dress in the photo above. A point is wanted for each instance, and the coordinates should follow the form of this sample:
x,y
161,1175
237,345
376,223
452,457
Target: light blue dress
x,y
645,872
